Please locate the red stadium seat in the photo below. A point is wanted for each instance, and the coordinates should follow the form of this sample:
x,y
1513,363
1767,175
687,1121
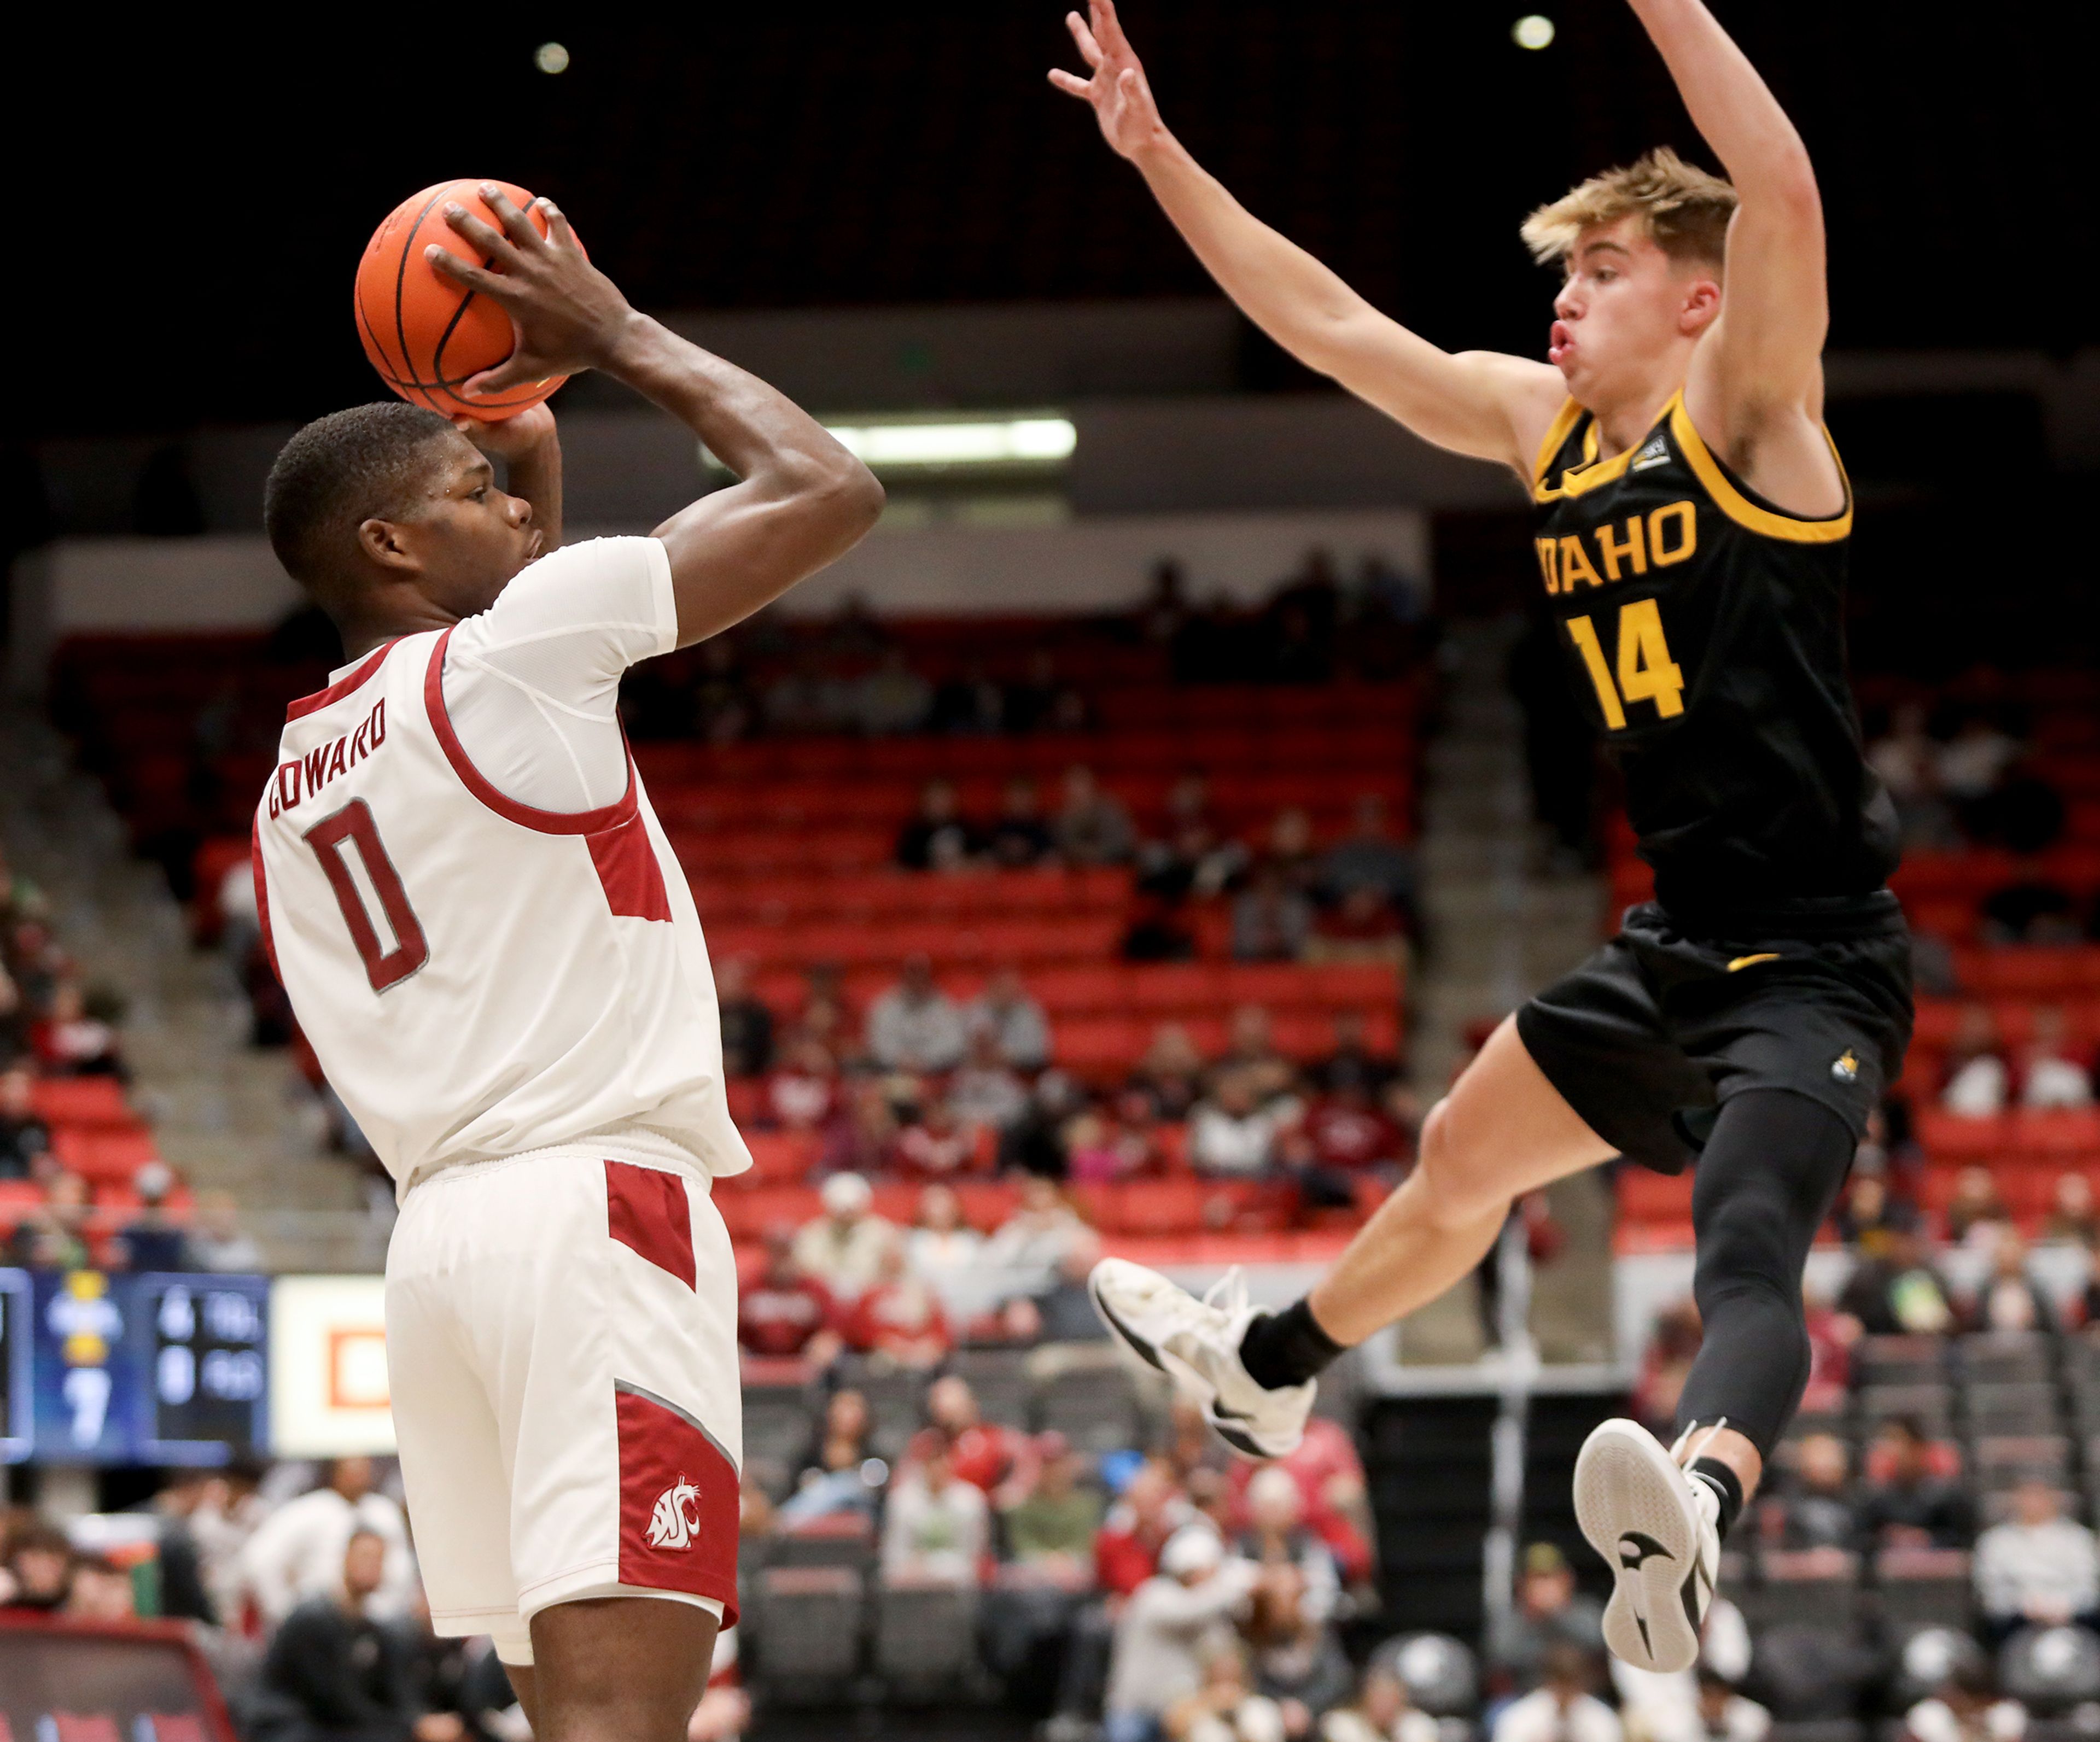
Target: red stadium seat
x,y
103,1155
1949,1137
81,1101
1646,1196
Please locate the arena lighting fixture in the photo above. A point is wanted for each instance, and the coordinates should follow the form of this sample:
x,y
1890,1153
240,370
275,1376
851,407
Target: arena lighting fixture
x,y
1534,30
1025,441
551,57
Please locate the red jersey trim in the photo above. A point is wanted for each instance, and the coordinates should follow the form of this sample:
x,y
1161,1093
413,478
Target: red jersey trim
x,y
262,895
678,1501
343,686
525,816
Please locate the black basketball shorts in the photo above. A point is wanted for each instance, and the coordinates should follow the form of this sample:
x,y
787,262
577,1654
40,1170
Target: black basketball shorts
x,y
1647,1038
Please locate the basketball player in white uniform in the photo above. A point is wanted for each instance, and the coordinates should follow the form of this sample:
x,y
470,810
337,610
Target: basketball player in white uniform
x,y
488,942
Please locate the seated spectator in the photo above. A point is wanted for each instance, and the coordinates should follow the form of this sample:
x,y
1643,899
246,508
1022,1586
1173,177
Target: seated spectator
x,y
2008,1300
1016,1023
935,1146
1298,1661
937,839
1138,1527
987,1093
838,1471
1169,1075
218,1241
936,1528
26,1140
1899,1291
1158,929
1251,1052
1907,757
332,1670
1976,1075
1225,1706
150,1239
1666,1363
1192,856
54,1235
1277,1536
1019,838
102,1591
1098,1150
1380,1712
1971,764
782,1311
746,1023
1231,1134
1910,1500
915,1025
844,1248
989,1455
893,699
1271,922
1330,1476
1351,1132
969,705
1363,926
2038,1568
1034,1239
1727,1715
2051,1077
1040,702
1831,1335
38,1575
2034,910
1352,1063
1550,1615
1976,1213
1091,828
802,1089
1368,858
2073,1214
899,1316
1035,1144
1812,1508
1050,1528
75,1038
1562,1708
1869,1215
1174,1623
296,1552
1965,1710
940,1243
1061,1311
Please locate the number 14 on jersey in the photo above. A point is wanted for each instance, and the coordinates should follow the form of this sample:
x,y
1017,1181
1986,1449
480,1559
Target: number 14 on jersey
x,y
1646,672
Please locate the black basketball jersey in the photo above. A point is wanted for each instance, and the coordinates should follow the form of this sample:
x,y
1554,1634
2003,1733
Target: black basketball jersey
x,y
1703,631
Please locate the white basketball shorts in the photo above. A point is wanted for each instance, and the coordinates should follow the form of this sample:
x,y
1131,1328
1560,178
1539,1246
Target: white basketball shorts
x,y
561,1341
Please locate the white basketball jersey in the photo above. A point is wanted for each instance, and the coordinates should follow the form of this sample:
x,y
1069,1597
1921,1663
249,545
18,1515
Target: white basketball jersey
x,y
479,978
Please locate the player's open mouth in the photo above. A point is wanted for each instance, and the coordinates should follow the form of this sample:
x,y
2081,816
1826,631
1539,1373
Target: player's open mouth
x,y
1558,343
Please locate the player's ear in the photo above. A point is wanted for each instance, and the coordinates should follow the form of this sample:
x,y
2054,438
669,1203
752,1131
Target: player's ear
x,y
1701,304
381,542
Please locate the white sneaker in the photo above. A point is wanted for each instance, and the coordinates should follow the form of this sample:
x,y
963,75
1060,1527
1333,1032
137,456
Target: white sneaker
x,y
1197,1344
1659,1531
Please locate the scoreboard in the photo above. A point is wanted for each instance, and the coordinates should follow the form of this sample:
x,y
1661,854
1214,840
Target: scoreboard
x,y
150,1369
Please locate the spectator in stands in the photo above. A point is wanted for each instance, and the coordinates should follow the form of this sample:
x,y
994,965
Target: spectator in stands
x,y
968,705
1330,1476
1051,1527
1159,929
2032,909
940,1244
1673,1345
1192,856
937,838
987,1094
802,1090
1226,1706
37,1574
747,1021
1232,1135
1271,922
1091,827
1098,1150
2053,1078
1972,762
1034,1239
14,1014
76,1037
1298,1661
1015,1021
1831,1336
1174,1621
1380,1712
1964,1710
1726,1714
2038,1568
843,1249
218,1241
2008,1300
1061,1311
1976,1212
915,1025
101,1591
26,1140
1548,1616
1169,1075
1277,1535
150,1239
900,1316
1354,1063
833,1474
1868,1214
1035,1146
54,1235
1148,1512
1363,926
1368,857
934,1146
1899,1290
1019,838
936,1528
1813,1507
1251,1052
1976,1078
1288,851
1561,1709
893,699
332,1670
989,1455
1907,757
1351,1133
1041,703
2073,1214
1911,1500
782,1311
296,1552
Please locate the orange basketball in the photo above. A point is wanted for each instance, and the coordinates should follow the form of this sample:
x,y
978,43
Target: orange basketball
x,y
427,335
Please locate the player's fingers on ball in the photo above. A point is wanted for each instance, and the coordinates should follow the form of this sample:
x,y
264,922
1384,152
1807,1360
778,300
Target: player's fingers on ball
x,y
557,225
449,264
516,225
491,242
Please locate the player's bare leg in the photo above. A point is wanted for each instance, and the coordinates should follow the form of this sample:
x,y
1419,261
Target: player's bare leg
x,y
1504,1130
615,1670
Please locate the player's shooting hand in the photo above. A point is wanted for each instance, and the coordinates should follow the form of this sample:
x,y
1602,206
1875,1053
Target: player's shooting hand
x,y
1122,99
566,314
510,438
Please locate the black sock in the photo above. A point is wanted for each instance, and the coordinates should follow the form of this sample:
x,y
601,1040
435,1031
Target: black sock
x,y
1286,1348
1727,1485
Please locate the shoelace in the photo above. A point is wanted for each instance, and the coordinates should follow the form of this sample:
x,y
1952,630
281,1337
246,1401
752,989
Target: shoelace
x,y
1698,1450
1228,1294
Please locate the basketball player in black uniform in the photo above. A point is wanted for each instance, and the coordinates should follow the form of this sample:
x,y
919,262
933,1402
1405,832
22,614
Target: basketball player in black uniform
x,y
1692,524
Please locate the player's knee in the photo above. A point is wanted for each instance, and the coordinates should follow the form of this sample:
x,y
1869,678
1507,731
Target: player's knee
x,y
1454,1189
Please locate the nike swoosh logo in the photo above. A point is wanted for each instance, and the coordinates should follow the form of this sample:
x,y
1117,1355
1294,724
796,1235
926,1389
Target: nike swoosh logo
x,y
1745,961
1645,1548
1219,1408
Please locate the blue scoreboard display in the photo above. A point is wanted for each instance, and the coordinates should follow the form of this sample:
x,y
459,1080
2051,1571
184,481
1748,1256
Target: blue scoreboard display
x,y
135,1370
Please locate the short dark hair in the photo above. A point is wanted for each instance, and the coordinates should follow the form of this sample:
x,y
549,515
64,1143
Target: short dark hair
x,y
337,472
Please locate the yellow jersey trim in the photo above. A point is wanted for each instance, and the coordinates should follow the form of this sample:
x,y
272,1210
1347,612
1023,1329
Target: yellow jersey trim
x,y
1556,434
1739,507
1591,472
1742,962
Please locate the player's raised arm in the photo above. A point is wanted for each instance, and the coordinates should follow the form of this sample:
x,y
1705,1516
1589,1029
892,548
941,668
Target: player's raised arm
x,y
1485,403
1760,363
801,500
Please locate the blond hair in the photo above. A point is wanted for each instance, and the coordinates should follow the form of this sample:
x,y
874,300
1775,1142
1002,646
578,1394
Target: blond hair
x,y
1683,209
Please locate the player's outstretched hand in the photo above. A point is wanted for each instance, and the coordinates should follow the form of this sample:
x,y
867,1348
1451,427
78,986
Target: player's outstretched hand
x,y
510,438
566,314
1123,101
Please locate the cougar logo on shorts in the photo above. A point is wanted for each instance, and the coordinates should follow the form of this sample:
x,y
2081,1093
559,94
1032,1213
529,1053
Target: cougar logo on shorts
x,y
1846,1066
670,1526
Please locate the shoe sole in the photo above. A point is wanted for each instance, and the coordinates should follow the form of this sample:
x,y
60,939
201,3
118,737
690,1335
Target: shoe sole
x,y
1185,1377
1628,1501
